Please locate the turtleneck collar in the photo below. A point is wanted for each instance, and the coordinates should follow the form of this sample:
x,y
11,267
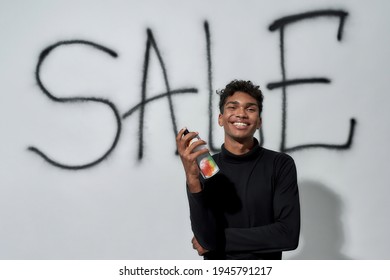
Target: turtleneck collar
x,y
253,153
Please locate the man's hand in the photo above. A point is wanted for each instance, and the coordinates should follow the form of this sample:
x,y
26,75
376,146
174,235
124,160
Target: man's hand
x,y
188,157
198,247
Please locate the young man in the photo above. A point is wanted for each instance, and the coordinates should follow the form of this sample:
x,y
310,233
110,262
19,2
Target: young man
x,y
250,208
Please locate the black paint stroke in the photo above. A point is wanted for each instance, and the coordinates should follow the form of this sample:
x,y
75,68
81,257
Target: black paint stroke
x,y
159,96
297,82
282,22
261,136
210,143
344,146
44,54
284,83
210,87
151,44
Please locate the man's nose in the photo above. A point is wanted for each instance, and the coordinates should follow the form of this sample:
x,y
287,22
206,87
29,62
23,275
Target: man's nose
x,y
241,112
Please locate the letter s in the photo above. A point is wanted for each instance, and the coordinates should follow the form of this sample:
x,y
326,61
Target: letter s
x,y
110,105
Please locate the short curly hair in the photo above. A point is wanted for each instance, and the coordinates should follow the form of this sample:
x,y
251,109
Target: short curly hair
x,y
244,86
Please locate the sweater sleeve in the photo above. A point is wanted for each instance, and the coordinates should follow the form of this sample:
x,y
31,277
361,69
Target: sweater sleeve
x,y
283,233
203,222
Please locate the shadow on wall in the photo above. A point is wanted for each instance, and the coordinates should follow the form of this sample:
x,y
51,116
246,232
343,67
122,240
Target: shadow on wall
x,y
322,235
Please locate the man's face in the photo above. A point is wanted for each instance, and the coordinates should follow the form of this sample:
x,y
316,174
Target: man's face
x,y
240,117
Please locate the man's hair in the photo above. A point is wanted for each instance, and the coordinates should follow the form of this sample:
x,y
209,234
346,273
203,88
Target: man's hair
x,y
244,86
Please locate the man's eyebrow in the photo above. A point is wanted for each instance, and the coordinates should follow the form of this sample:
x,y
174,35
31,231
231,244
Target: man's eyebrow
x,y
232,102
238,103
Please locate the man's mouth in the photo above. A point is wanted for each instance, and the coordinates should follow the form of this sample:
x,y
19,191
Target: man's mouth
x,y
240,124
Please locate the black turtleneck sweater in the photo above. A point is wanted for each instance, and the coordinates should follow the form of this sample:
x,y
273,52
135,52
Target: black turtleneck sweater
x,y
250,209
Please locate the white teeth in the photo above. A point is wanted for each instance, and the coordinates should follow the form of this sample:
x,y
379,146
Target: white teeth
x,y
240,124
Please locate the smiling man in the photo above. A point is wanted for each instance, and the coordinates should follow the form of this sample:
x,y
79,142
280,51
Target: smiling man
x,y
250,209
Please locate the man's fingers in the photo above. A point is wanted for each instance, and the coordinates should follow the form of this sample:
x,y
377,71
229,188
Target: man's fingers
x,y
194,145
185,147
195,244
183,141
179,135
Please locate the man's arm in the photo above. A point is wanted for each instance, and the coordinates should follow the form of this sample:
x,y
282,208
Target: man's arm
x,y
283,234
202,220
203,223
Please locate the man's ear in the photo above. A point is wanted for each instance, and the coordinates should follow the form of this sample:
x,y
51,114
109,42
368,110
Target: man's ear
x,y
220,119
260,123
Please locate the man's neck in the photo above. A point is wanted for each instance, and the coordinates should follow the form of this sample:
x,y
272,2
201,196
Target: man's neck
x,y
239,148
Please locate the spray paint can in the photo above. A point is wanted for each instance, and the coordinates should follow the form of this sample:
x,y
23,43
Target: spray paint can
x,y
207,166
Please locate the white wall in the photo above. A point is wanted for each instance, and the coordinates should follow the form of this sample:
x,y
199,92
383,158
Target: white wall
x,y
123,207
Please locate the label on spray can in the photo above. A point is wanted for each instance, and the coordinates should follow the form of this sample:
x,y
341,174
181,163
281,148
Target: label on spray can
x,y
207,166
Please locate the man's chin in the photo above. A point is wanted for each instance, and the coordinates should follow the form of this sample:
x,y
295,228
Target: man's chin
x,y
242,138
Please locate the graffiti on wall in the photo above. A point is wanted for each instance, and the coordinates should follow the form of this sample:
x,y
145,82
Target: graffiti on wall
x,y
281,24
168,93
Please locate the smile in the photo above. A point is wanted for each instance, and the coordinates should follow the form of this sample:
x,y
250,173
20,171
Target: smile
x,y
240,124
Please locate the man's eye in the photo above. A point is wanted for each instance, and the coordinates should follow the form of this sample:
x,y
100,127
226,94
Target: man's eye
x,y
251,109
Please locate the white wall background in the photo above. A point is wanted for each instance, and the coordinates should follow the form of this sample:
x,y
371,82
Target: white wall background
x,y
125,208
